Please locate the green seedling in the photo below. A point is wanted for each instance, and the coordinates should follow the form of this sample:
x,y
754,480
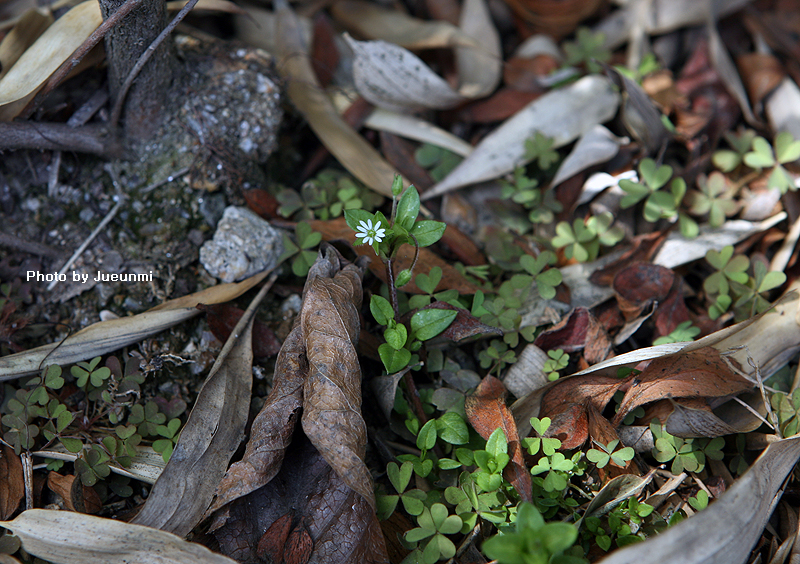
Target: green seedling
x,y
699,501
683,333
539,148
437,161
587,48
727,160
787,150
558,360
583,239
658,203
548,445
607,453
304,257
715,199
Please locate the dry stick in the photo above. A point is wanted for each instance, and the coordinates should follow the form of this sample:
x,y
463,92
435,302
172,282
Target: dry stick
x,y
109,216
79,53
92,139
15,242
117,111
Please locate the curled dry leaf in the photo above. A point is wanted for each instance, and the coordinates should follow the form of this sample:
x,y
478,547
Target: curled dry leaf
x,y
487,411
700,374
580,330
479,66
639,285
76,496
319,473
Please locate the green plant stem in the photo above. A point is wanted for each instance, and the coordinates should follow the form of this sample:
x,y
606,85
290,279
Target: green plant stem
x,y
416,253
392,290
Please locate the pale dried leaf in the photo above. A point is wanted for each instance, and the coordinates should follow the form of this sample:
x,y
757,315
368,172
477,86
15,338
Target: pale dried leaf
x,y
564,114
258,26
209,5
688,421
678,250
479,67
27,30
108,336
527,374
77,538
613,493
42,59
412,127
394,78
146,466
783,108
353,152
725,532
371,21
727,71
596,146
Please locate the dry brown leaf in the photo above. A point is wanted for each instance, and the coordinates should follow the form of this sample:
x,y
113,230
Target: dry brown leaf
x,y
12,482
76,496
580,330
272,429
352,151
107,336
487,411
371,21
42,59
215,427
76,538
697,374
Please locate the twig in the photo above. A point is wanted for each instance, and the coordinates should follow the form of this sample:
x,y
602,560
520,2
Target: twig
x,y
169,178
109,216
117,111
94,139
29,246
27,478
79,53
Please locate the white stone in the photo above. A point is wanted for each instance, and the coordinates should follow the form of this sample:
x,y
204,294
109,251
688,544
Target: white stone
x,y
243,245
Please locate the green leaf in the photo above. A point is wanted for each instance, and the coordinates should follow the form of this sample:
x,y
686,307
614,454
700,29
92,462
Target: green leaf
x,y
761,155
397,185
52,377
399,476
72,445
426,439
408,208
427,232
394,360
381,309
428,282
452,429
353,217
654,177
787,150
497,443
427,323
402,279
396,336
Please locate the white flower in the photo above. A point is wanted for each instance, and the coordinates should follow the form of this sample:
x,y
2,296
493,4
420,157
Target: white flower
x,y
368,233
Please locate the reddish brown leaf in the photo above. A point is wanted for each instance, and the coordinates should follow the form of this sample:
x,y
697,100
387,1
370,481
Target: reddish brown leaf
x,y
272,429
262,202
601,431
271,543
697,374
524,73
487,411
761,74
579,330
672,311
338,230
565,403
501,105
643,249
400,154
298,546
76,496
640,285
324,53
12,484
465,325
222,318
463,246
570,425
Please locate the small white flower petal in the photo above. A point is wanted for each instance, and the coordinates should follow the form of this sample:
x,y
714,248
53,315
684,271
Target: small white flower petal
x,y
368,240
379,234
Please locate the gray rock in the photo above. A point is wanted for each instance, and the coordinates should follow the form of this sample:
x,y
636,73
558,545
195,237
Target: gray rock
x,y
243,245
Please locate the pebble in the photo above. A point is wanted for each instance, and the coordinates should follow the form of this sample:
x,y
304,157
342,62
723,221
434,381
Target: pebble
x,y
243,245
